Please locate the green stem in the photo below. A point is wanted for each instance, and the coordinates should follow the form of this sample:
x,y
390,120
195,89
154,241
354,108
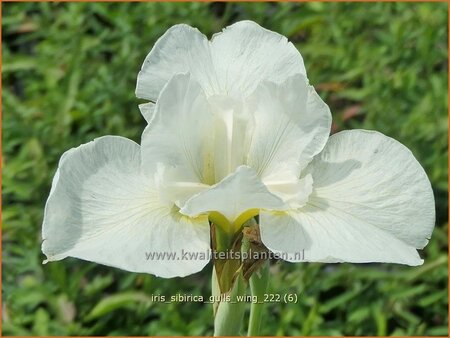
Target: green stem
x,y
230,312
258,284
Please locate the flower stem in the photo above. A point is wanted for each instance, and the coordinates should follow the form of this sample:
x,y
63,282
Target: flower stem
x,y
230,312
258,284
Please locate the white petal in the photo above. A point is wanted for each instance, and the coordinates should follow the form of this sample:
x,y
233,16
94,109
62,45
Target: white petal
x,y
233,63
147,111
173,188
291,125
372,202
236,194
179,136
315,234
294,192
103,209
182,49
231,135
245,54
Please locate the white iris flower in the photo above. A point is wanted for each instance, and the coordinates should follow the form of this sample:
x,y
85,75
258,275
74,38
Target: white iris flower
x,y
236,131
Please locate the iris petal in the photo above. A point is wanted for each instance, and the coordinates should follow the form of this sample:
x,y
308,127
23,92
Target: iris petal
x,y
372,202
102,208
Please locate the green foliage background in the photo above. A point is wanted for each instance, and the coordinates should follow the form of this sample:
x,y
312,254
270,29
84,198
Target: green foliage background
x,y
69,73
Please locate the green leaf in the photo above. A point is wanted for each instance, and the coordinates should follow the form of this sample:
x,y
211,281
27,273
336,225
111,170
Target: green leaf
x,y
118,301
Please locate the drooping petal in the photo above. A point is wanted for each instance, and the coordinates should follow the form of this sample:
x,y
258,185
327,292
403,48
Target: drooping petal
x,y
233,63
372,202
313,235
179,136
182,49
237,193
103,209
245,54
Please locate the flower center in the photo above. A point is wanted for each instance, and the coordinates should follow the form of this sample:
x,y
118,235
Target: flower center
x,y
231,136
227,149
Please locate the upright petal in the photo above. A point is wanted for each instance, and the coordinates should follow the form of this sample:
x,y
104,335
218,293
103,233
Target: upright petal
x,y
179,136
233,63
245,54
182,49
237,193
103,209
372,202
291,125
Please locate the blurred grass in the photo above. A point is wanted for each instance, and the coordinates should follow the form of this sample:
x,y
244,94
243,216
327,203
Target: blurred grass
x,y
69,74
